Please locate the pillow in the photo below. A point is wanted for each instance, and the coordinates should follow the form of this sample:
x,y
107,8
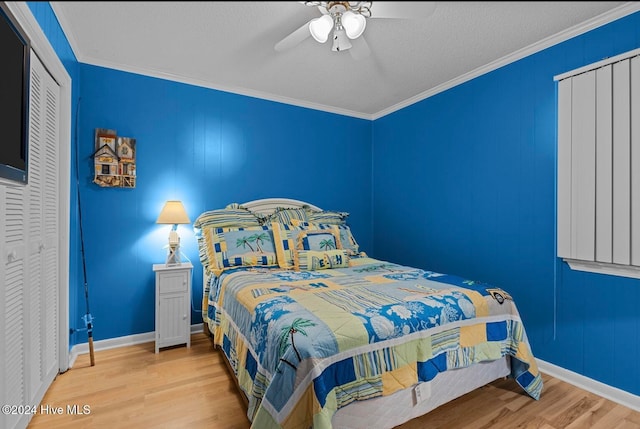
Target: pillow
x,y
235,247
327,216
286,239
318,240
232,216
203,255
285,215
347,241
312,260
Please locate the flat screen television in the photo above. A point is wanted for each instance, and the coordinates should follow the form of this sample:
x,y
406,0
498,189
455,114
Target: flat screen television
x,y
15,50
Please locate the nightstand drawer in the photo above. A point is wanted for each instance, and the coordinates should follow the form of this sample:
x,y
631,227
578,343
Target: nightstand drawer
x,y
171,282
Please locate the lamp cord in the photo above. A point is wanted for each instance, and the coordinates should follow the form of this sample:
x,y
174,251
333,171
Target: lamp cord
x,y
193,308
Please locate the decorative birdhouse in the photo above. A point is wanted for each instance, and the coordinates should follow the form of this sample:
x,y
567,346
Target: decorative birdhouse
x,y
114,160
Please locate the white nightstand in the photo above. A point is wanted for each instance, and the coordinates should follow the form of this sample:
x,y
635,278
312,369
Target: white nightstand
x,y
173,304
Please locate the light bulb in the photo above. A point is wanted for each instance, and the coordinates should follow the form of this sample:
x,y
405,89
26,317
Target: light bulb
x,y
340,40
320,28
353,24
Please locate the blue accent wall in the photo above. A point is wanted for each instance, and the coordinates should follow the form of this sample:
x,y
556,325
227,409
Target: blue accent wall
x,y
206,148
464,183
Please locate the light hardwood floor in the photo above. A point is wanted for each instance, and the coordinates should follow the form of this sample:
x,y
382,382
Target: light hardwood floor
x,y
132,387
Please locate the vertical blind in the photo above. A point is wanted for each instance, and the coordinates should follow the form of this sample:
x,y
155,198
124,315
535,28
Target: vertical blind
x,y
598,198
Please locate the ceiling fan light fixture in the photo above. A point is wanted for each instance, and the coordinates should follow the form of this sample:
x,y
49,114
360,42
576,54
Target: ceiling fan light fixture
x,y
340,40
320,28
354,24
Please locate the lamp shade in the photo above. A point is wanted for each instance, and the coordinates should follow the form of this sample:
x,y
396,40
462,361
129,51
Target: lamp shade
x,y
353,24
320,28
173,213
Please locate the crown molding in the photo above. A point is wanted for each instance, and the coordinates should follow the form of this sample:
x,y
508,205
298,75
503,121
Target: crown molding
x,y
598,21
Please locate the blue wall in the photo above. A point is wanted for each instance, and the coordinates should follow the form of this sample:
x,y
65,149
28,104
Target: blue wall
x,y
207,148
464,182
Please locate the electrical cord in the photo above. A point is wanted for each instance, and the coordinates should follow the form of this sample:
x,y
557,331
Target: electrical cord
x,y
193,308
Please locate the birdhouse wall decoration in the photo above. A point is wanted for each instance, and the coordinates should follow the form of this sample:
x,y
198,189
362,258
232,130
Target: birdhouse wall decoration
x,y
114,160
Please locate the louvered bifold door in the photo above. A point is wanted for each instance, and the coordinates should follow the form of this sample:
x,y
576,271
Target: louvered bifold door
x,y
13,208
36,239
29,266
599,165
43,231
50,286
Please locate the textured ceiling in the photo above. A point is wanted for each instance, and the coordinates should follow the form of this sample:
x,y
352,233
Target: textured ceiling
x,y
230,46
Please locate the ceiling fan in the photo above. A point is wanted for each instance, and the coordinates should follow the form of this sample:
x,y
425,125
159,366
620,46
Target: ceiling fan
x,y
348,20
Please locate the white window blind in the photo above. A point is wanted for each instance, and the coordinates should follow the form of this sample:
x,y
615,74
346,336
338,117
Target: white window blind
x,y
598,220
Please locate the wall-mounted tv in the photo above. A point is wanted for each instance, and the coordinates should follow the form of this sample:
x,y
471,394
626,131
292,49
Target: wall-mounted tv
x,y
15,50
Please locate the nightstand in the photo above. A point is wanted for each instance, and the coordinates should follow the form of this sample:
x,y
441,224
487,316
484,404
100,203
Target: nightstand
x,y
173,304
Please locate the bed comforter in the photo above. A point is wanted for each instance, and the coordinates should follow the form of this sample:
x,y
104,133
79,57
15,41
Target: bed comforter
x,y
304,343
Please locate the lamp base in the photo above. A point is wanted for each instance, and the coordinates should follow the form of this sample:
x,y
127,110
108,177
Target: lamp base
x,y
173,256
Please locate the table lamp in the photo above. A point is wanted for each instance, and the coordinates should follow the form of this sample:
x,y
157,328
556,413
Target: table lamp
x,y
173,213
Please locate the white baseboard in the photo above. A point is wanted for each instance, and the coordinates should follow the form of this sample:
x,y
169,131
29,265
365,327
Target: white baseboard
x,y
112,343
612,393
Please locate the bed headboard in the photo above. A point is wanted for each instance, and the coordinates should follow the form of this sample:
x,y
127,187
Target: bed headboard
x,y
268,205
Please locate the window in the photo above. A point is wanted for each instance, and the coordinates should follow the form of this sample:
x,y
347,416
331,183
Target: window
x,y
599,166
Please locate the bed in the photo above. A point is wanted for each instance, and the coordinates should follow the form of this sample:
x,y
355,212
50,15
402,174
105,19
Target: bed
x,y
317,334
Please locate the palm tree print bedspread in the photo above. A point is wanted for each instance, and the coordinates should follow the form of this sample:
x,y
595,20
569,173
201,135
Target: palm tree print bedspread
x,y
305,343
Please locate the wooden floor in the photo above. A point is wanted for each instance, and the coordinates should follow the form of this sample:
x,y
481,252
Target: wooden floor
x,y
132,387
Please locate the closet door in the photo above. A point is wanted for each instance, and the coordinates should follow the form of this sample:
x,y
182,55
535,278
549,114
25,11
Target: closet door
x,y
50,287
42,289
13,209
29,265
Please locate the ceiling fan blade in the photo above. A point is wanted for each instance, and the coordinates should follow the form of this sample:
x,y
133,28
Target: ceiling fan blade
x,y
402,9
359,48
293,39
